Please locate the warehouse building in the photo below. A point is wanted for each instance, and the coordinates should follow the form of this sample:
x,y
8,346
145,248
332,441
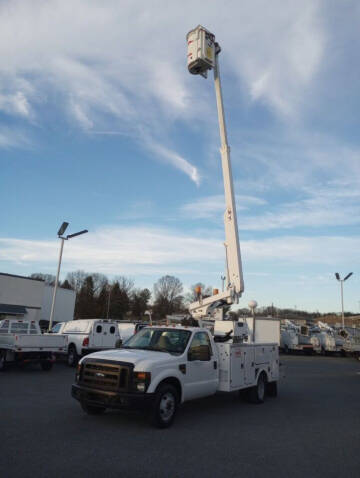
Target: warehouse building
x,y
29,298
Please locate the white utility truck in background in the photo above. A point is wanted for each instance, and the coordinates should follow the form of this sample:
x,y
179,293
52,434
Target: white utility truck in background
x,y
326,336
297,338
85,336
163,367
21,341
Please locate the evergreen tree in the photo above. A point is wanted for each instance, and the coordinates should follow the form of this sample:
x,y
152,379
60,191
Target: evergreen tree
x,y
85,304
139,302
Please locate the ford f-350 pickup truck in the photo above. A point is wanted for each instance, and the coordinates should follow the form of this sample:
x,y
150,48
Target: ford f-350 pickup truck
x,y
160,368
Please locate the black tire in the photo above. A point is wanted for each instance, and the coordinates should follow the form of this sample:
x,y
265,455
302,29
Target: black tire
x,y
72,357
46,365
286,349
2,360
271,389
92,409
165,406
257,393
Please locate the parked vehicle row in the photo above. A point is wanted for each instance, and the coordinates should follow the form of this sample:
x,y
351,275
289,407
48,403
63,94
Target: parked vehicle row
x,y
319,338
22,341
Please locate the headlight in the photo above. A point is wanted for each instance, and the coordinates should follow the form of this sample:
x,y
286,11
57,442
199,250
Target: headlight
x,y
142,381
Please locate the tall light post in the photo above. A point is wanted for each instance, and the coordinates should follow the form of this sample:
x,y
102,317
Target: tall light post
x,y
337,275
60,233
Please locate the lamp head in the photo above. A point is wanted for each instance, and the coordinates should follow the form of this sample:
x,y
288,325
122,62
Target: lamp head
x,y
63,228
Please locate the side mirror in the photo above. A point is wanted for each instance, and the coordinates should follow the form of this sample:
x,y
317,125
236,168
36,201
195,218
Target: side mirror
x,y
199,353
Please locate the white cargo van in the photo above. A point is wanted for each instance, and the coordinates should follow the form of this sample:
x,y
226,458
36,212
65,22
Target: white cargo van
x,y
89,335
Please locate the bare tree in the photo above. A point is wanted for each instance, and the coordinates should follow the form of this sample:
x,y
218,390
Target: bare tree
x,y
47,278
167,295
125,283
76,279
99,281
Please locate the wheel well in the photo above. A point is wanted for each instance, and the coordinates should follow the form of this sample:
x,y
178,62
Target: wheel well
x,y
174,382
72,345
265,375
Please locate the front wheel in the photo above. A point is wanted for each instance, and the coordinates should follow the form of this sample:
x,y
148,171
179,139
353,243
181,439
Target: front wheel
x,y
165,406
92,409
271,389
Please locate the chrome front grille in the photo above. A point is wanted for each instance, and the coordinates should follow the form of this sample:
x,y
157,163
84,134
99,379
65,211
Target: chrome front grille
x,y
103,375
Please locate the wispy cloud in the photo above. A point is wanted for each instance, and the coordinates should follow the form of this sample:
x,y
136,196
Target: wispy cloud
x,y
175,160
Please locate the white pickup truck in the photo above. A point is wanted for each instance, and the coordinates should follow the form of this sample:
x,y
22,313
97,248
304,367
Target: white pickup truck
x,y
88,335
162,367
21,341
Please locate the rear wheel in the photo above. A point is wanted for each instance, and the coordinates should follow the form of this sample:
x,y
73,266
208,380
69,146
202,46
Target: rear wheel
x,y
257,393
72,358
165,406
271,389
92,409
2,360
46,365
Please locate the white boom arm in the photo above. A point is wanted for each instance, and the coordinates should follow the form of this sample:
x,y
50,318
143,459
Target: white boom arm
x,y
234,276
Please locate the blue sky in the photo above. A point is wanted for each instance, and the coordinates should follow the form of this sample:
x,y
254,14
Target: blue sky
x,y
101,125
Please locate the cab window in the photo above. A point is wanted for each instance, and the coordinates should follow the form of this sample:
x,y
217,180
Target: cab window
x,y
98,329
200,348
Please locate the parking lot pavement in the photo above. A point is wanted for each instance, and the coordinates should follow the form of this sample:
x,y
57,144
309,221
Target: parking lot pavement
x,y
311,429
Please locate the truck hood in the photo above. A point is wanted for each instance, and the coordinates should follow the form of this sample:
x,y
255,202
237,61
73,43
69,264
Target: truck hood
x,y
139,358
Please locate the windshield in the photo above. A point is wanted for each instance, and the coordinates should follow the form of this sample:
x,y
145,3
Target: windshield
x,y
56,328
160,340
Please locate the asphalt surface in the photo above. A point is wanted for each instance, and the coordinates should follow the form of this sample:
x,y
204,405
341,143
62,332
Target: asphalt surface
x,y
311,429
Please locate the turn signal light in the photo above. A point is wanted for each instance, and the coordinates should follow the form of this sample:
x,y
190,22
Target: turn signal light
x,y
141,375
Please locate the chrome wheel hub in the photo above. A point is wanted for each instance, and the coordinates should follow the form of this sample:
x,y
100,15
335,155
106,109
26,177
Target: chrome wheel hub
x,y
167,406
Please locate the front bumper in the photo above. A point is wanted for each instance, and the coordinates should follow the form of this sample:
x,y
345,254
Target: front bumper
x,y
139,401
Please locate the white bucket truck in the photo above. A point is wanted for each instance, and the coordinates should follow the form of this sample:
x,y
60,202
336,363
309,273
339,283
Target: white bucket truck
x,y
162,367
297,338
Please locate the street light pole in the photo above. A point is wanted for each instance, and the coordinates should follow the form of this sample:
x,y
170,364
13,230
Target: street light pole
x,y
60,233
337,275
56,284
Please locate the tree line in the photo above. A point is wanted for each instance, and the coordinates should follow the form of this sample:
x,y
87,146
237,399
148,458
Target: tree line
x,y
98,296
